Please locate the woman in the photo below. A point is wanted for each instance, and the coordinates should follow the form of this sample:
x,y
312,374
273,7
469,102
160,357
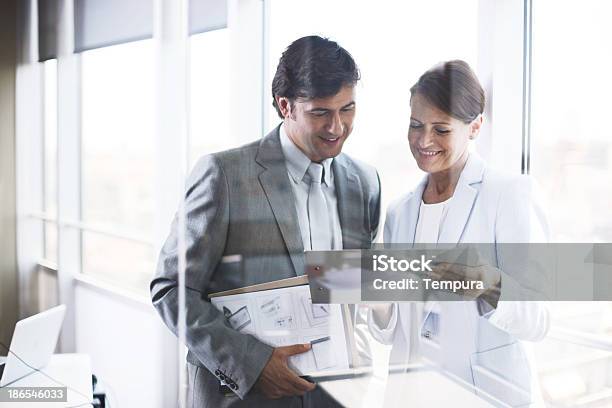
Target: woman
x,y
461,200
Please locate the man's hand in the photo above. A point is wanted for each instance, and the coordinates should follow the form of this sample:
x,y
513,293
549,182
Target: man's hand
x,y
277,379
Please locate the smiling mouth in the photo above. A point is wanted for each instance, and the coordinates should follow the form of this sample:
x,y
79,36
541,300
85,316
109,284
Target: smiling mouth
x,y
429,153
330,140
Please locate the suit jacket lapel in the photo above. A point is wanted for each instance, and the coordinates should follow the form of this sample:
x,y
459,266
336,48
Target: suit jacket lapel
x,y
275,183
350,205
463,201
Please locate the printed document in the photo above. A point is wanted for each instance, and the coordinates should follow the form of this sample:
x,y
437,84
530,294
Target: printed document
x,y
285,316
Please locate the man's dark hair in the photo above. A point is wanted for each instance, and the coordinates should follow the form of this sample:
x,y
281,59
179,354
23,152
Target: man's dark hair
x,y
313,67
453,88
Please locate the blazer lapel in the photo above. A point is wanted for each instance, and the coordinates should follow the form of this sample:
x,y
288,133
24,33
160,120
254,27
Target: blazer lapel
x,y
414,205
350,205
275,183
458,214
463,201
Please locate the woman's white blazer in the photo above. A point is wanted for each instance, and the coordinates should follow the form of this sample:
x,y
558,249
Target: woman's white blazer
x,y
484,349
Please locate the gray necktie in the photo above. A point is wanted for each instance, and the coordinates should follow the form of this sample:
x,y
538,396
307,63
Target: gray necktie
x,y
318,216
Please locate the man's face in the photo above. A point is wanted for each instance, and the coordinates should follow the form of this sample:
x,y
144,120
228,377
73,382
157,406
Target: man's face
x,y
319,127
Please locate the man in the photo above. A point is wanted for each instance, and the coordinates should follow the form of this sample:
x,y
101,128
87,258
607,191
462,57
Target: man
x,y
267,202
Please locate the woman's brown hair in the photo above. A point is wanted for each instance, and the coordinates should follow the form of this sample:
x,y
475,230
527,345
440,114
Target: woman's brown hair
x,y
453,88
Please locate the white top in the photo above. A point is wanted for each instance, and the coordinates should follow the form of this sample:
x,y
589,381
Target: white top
x,y
297,168
431,218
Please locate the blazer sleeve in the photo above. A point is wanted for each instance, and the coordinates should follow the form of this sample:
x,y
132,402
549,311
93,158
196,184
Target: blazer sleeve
x,y
220,348
385,335
520,220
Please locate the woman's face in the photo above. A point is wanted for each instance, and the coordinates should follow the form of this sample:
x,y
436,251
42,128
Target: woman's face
x,y
438,141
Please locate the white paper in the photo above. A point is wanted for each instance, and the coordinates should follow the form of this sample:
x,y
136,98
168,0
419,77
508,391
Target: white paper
x,y
286,316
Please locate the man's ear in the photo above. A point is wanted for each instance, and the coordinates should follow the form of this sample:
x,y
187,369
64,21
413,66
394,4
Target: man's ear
x,y
284,105
475,126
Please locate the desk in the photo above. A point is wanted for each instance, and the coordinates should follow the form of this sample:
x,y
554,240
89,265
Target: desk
x,y
73,370
419,388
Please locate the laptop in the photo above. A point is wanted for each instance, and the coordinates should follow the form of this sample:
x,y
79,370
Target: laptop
x,y
33,343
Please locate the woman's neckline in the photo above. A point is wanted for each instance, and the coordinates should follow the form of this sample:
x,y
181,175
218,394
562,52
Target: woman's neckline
x,y
434,204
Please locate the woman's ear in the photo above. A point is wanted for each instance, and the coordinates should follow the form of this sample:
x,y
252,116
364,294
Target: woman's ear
x,y
475,126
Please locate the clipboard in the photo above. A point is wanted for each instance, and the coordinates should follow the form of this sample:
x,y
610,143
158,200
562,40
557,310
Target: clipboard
x,y
277,284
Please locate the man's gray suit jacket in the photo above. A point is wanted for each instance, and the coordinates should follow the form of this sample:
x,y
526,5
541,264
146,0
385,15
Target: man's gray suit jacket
x,y
240,202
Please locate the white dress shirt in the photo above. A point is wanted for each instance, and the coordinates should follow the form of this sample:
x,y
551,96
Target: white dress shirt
x,y
297,165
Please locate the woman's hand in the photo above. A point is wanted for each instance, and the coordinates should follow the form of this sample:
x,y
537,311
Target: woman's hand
x,y
489,275
381,312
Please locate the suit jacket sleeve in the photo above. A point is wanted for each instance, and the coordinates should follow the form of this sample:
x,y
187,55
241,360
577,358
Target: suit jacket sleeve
x,y
375,210
220,348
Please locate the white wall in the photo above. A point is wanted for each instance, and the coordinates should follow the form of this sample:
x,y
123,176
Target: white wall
x,y
130,348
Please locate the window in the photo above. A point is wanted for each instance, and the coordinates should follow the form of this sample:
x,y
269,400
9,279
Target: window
x,y
209,94
571,157
391,57
118,163
50,160
571,140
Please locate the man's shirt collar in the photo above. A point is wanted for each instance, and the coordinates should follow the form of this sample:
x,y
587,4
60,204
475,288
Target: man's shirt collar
x,y
298,162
